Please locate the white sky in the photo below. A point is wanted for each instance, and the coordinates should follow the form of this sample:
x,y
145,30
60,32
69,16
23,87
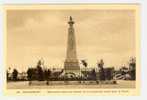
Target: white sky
x,y
35,34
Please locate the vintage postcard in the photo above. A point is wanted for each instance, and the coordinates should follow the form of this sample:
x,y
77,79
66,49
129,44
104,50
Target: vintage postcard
x,y
72,49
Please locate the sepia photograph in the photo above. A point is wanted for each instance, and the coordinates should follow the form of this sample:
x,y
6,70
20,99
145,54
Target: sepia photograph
x,y
72,47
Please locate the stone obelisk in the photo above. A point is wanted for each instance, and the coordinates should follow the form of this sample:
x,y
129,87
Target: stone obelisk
x,y
71,64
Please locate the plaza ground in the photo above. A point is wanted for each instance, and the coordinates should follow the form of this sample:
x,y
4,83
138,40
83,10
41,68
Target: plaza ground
x,y
59,85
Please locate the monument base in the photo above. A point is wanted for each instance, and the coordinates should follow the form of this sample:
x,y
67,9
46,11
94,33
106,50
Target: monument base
x,y
71,64
71,68
72,73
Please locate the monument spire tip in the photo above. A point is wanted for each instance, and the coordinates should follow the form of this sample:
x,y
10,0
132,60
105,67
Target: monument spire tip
x,y
70,17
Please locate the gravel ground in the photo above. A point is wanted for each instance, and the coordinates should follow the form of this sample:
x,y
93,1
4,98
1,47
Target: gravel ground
x,y
60,85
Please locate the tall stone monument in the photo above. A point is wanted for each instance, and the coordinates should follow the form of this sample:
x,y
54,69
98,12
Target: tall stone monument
x,y
71,64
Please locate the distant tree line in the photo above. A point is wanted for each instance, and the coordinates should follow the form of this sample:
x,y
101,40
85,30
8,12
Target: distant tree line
x,y
14,75
128,72
40,74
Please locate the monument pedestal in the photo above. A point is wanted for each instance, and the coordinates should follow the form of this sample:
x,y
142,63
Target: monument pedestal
x,y
72,66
